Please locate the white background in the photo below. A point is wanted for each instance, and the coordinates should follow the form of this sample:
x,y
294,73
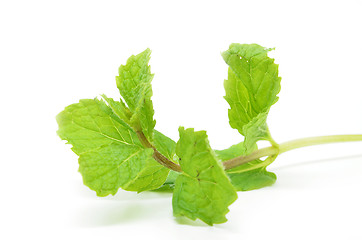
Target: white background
x,y
53,53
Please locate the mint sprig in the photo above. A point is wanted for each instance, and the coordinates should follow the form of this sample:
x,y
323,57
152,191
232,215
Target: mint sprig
x,y
118,146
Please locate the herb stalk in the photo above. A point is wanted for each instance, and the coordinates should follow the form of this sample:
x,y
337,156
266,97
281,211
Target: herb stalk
x,y
287,146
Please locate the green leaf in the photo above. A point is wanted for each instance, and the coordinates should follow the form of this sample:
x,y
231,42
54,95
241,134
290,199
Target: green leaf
x,y
233,151
118,108
134,84
110,153
169,184
165,145
203,189
252,179
251,89
249,176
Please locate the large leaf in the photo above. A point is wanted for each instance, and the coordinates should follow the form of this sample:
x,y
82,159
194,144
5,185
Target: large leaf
x,y
110,154
251,89
203,189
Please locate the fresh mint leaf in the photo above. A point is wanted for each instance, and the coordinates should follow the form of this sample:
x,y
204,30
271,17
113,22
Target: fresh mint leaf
x,y
110,153
249,176
251,89
134,84
87,126
203,189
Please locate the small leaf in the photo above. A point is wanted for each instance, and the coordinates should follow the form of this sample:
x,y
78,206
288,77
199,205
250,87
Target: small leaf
x,y
119,109
251,89
134,84
202,190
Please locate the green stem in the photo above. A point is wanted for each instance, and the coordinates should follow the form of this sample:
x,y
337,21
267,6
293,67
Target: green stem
x,y
290,145
310,141
271,139
157,155
271,151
